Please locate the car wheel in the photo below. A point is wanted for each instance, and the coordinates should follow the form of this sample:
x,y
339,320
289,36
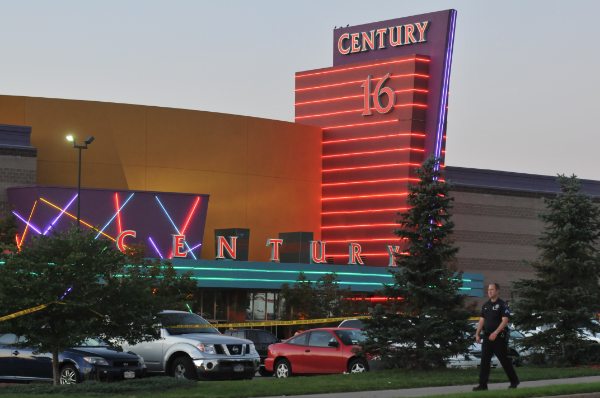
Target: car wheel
x,y
184,368
264,372
514,361
283,369
358,365
68,375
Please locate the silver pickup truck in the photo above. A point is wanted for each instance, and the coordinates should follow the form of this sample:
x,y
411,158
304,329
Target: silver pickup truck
x,y
196,353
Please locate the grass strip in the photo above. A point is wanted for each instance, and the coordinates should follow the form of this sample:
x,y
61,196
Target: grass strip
x,y
528,392
384,380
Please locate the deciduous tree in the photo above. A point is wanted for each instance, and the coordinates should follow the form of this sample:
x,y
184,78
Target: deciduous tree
x,y
89,289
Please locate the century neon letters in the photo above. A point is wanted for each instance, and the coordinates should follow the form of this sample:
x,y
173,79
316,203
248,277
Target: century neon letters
x,y
402,35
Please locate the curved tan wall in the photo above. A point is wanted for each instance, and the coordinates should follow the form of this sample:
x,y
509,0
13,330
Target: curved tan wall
x,y
261,174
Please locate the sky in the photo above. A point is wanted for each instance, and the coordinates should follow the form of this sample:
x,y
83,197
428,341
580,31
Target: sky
x,y
524,84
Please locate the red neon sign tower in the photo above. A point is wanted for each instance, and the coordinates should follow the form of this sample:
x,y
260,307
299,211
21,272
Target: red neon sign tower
x,y
383,109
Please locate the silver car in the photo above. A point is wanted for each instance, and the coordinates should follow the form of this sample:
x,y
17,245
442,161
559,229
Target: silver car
x,y
196,353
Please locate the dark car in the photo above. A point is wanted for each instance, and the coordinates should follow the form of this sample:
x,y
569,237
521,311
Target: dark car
x,y
261,339
92,360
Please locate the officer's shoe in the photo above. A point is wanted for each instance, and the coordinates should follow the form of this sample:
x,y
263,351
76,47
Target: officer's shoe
x,y
514,385
480,388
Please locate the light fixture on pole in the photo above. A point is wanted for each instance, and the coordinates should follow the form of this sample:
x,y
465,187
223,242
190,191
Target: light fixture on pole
x,y
87,141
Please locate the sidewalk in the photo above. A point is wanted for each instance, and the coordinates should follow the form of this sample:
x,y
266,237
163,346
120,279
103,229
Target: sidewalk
x,y
423,392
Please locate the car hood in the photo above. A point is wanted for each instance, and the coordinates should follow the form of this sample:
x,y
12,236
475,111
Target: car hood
x,y
211,338
104,352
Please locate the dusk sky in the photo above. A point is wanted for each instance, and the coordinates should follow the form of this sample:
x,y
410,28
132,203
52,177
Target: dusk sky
x,y
525,74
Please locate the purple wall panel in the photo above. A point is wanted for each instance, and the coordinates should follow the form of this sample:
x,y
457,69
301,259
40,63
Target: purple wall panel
x,y
141,213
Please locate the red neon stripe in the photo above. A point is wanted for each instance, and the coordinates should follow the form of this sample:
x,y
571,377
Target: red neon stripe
x,y
190,216
363,66
366,196
360,211
359,225
362,254
358,81
359,124
374,167
371,138
367,153
118,212
355,96
369,181
354,110
393,237
18,242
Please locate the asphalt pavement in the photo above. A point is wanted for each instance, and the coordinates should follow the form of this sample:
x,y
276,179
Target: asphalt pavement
x,y
423,392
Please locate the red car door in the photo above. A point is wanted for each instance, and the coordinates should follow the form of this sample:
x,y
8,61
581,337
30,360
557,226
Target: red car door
x,y
294,351
320,357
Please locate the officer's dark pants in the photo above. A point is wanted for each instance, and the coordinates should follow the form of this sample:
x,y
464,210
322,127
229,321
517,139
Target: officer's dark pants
x,y
499,347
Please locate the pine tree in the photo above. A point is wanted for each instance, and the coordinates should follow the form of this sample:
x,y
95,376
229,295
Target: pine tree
x,y
427,322
565,294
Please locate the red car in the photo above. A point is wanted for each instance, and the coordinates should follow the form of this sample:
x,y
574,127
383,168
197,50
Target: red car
x,y
327,350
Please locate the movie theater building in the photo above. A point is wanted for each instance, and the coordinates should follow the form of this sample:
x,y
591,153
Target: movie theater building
x,y
247,203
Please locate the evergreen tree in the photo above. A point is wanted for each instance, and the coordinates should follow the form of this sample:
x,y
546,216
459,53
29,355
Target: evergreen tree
x,y
565,295
427,322
89,289
8,230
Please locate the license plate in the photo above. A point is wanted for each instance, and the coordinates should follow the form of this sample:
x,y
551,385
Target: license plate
x,y
129,375
238,368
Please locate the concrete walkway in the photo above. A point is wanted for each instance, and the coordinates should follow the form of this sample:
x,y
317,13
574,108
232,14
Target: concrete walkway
x,y
423,392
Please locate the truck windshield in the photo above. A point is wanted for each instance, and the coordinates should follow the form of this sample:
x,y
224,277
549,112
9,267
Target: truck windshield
x,y
182,319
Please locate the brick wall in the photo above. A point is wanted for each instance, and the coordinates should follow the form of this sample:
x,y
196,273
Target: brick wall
x,y
495,230
17,167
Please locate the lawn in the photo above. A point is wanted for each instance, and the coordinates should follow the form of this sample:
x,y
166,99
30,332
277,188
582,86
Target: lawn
x,y
384,380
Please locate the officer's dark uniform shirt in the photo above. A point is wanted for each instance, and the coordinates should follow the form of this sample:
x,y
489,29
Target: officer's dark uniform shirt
x,y
492,313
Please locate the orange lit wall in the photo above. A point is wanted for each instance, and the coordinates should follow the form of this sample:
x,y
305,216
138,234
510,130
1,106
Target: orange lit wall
x,y
367,159
260,174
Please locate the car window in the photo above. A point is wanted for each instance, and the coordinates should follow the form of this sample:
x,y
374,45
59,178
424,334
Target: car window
x,y
298,340
320,338
353,323
183,319
253,336
93,343
266,338
350,337
6,339
516,335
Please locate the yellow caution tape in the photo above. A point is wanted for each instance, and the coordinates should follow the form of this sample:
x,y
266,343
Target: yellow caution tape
x,y
270,323
29,311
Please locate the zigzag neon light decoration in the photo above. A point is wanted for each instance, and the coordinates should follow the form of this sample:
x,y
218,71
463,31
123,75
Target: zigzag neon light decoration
x,y
61,213
176,229
72,216
113,217
25,221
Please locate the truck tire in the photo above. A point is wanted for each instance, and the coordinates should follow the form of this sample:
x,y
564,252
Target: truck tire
x,y
184,368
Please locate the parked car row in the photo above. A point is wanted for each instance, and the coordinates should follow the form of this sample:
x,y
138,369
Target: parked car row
x,y
203,353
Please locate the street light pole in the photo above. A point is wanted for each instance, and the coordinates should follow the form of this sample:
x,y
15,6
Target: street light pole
x,y
80,147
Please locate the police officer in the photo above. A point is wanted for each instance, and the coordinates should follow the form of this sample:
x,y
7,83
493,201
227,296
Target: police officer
x,y
494,338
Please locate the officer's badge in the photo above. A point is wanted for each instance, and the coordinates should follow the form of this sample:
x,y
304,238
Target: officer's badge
x,y
496,306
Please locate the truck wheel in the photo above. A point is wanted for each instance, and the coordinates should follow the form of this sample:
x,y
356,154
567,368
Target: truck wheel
x,y
184,368
283,369
264,372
